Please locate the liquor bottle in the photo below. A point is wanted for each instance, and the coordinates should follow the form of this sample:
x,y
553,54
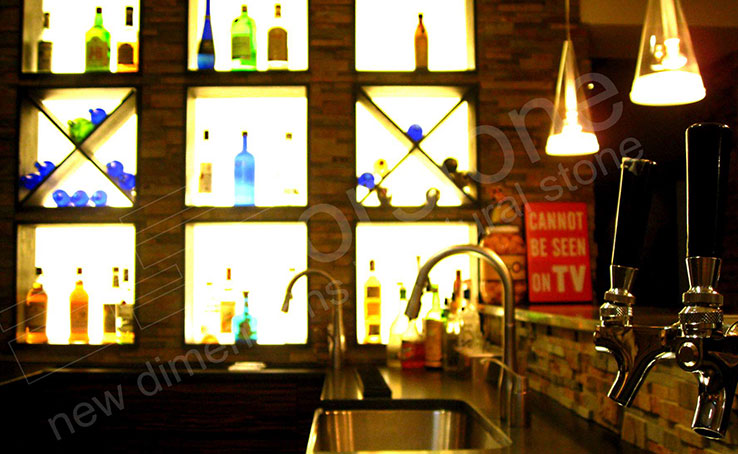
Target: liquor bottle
x,y
205,182
244,176
227,307
458,297
433,323
450,339
210,323
421,46
97,49
397,329
412,350
128,45
124,313
44,47
206,50
78,310
372,307
109,310
471,332
244,324
277,42
243,42
35,311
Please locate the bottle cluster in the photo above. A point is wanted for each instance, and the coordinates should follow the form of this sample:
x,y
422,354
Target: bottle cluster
x,y
224,315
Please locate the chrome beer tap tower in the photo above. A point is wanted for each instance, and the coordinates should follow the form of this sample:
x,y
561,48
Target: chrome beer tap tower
x,y
697,340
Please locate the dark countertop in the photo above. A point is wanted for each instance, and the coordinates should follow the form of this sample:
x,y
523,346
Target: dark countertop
x,y
553,428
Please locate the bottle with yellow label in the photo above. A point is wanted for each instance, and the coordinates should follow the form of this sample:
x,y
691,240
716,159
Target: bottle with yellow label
x,y
78,310
372,307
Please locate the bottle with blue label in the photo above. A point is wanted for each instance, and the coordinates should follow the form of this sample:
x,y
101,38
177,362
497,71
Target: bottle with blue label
x,y
244,176
244,325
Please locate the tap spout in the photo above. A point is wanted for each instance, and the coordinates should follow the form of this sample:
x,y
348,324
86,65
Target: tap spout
x,y
337,336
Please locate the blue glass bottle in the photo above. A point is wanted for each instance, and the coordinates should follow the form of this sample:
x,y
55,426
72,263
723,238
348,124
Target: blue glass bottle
x,y
206,51
244,176
244,325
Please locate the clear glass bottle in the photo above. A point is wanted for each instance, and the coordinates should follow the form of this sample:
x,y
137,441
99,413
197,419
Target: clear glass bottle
x,y
244,324
372,307
205,180
44,47
206,49
397,329
227,309
124,313
243,42
109,309
78,312
244,170
277,57
433,323
421,46
128,45
97,46
35,311
210,322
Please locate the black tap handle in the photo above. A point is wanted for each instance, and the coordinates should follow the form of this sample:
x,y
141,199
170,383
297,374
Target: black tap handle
x,y
708,163
634,204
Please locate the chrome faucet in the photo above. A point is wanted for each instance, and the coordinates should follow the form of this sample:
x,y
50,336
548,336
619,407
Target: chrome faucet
x,y
697,340
512,394
336,334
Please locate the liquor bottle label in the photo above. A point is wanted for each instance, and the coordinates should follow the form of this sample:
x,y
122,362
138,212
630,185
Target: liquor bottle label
x,y
36,316
241,48
277,45
44,56
98,53
109,318
206,178
125,54
373,292
79,318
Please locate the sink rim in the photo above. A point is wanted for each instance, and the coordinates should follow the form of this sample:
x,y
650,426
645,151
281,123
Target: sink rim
x,y
408,404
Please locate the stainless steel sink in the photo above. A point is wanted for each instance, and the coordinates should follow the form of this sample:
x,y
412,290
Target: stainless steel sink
x,y
403,425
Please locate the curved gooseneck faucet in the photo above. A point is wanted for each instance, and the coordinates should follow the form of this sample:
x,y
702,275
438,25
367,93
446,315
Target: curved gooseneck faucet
x,y
337,336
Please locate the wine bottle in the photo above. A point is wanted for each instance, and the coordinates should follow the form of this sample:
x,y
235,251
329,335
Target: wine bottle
x,y
205,182
78,310
35,311
97,49
433,322
244,176
44,47
109,309
243,42
124,313
372,307
421,46
206,50
128,45
277,42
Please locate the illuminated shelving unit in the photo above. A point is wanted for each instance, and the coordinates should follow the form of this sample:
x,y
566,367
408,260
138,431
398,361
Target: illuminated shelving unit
x,y
68,26
80,163
385,32
59,249
384,116
222,14
394,247
268,114
263,257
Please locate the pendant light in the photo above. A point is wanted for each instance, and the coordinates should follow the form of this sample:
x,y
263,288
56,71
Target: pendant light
x,y
667,73
571,132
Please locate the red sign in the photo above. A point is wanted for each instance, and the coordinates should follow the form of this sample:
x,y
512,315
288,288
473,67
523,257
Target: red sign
x,y
558,252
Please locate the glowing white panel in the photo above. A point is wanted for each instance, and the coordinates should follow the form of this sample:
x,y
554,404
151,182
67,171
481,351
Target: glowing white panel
x,y
450,138
263,257
121,146
222,14
410,182
96,248
385,31
68,26
52,144
267,114
374,141
424,106
394,248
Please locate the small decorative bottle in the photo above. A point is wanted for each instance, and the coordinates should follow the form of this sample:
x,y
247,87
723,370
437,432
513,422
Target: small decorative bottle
x,y
97,46
78,310
244,176
206,50
277,42
35,311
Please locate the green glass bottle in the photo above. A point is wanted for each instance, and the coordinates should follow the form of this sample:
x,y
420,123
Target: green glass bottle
x,y
97,48
243,42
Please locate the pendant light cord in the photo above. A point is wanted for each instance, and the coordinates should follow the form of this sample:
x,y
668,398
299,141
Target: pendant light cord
x,y
568,26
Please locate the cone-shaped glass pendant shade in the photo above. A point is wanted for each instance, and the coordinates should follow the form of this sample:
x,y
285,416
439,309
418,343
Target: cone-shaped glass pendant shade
x,y
667,73
571,131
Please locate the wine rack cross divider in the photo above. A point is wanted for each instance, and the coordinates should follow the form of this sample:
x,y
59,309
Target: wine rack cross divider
x,y
86,147
402,135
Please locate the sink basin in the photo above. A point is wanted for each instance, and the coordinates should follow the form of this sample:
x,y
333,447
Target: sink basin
x,y
403,425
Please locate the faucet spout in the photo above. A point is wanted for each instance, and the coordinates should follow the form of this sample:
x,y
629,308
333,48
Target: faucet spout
x,y
337,337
